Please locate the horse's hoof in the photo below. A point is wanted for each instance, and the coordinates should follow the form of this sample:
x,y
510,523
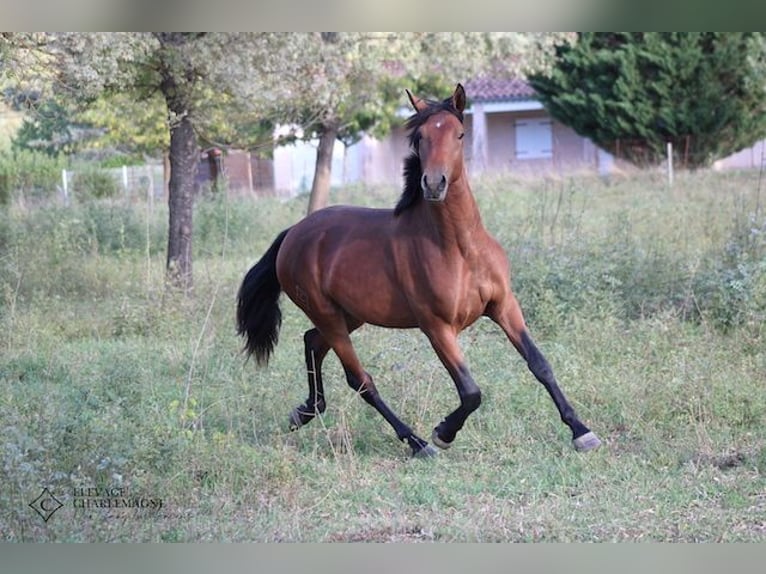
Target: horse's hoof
x,y
295,420
426,452
439,442
586,442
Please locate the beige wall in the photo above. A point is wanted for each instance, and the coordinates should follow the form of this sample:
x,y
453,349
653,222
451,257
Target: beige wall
x,y
501,141
749,158
570,151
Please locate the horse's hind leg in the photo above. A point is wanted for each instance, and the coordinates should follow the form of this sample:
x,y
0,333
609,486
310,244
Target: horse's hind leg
x,y
315,351
361,381
511,321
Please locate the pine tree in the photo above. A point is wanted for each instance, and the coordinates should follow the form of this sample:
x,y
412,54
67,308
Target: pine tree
x,y
632,93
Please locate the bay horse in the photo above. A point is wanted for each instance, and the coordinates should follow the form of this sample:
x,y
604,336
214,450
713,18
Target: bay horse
x,y
429,263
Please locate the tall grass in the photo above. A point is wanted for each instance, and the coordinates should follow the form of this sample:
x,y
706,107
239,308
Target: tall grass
x,y
649,303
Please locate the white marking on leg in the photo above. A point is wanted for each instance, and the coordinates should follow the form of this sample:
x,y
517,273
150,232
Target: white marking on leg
x,y
313,373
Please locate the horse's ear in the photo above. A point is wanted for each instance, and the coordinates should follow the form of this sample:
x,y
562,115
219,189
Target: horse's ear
x,y
458,98
418,103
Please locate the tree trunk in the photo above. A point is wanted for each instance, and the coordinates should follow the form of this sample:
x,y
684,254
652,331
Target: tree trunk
x,y
177,87
183,163
320,188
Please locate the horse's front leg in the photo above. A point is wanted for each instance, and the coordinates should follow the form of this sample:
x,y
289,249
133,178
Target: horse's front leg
x,y
444,341
509,317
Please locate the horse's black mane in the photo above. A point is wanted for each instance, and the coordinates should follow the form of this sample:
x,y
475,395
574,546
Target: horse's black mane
x,y
411,194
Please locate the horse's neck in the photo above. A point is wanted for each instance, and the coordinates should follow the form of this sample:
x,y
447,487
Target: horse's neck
x,y
456,222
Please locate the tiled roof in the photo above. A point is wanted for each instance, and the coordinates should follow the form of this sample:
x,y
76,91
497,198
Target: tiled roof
x,y
493,89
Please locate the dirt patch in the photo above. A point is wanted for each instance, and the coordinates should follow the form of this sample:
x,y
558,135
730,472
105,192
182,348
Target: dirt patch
x,y
726,461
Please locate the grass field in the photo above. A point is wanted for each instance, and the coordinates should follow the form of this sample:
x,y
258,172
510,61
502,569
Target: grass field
x,y
134,407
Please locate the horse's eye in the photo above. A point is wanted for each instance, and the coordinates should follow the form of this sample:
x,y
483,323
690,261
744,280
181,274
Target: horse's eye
x,y
461,135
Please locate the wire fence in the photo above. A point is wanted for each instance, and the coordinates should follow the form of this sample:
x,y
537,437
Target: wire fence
x,y
237,173
133,183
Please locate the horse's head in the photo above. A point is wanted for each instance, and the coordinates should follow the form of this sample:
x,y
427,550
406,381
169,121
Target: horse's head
x,y
437,139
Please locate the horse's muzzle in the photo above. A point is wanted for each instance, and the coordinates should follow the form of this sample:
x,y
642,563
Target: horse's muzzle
x,y
434,189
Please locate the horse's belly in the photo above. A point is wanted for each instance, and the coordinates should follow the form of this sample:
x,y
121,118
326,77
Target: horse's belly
x,y
372,296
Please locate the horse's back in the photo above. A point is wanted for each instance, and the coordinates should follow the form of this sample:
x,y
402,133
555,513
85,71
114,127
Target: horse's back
x,y
333,229
343,257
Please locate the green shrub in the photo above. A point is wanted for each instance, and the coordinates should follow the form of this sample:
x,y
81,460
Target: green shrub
x,y
118,160
91,182
114,227
76,250
731,291
28,175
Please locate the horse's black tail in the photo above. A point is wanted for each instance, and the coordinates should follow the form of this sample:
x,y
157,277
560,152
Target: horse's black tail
x,y
258,313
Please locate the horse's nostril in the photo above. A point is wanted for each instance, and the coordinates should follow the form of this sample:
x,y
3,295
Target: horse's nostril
x,y
442,183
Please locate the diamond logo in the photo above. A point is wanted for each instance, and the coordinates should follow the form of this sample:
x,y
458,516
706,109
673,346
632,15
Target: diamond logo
x,y
46,504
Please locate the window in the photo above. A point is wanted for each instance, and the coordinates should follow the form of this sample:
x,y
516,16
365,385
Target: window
x,y
534,139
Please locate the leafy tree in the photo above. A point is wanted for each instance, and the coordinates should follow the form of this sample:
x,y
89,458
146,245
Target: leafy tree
x,y
187,72
137,126
631,93
341,95
192,77
49,128
132,126
171,65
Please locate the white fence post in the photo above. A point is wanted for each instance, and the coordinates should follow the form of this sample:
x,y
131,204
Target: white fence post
x,y
670,164
249,158
125,179
65,187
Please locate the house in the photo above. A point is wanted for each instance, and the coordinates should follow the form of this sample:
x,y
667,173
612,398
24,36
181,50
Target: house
x,y
507,129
